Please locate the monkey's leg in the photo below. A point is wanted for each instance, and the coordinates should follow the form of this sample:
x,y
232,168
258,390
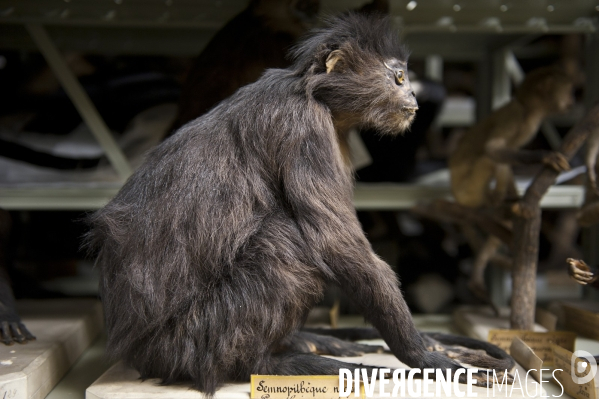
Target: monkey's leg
x,y
465,349
504,184
348,334
320,199
306,342
500,154
292,363
382,303
477,279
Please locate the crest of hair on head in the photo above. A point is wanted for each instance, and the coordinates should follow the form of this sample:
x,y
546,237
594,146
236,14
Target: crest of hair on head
x,y
358,36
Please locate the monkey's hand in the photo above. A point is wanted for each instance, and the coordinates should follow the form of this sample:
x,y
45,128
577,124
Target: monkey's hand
x,y
581,272
557,161
469,352
453,361
11,328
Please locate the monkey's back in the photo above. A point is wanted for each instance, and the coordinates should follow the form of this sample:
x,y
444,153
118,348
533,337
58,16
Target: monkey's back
x,y
202,265
471,169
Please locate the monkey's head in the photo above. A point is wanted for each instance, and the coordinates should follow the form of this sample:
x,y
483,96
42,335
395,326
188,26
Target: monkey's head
x,y
550,88
357,67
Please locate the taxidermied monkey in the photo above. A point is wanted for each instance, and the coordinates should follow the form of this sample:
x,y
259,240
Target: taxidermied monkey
x,y
214,251
583,273
486,152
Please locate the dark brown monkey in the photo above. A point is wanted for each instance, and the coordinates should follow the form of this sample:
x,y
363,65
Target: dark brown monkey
x,y
215,250
488,150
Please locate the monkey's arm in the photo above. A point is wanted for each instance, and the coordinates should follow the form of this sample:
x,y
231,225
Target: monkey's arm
x,y
11,328
583,273
497,150
319,194
505,186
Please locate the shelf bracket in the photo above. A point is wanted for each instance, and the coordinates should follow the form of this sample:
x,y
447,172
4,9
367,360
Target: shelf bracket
x,y
80,99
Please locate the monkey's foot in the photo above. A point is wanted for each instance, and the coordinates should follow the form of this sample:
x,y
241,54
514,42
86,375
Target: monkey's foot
x,y
557,161
336,347
305,342
581,272
346,333
14,331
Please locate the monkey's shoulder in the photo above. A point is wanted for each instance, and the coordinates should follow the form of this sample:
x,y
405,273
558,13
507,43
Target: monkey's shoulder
x,y
277,102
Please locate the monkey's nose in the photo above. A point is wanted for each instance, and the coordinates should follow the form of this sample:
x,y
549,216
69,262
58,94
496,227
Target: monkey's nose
x,y
411,110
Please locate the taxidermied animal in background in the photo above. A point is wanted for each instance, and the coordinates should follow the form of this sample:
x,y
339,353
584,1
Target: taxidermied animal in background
x,y
214,251
583,273
488,150
257,39
11,328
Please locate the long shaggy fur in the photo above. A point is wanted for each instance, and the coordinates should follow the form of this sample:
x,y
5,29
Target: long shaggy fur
x,y
216,248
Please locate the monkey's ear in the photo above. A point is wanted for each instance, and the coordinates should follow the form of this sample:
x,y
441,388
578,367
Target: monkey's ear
x,y
332,59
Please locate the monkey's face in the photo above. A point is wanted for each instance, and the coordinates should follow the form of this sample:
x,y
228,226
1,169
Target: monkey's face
x,y
402,105
390,106
548,89
363,89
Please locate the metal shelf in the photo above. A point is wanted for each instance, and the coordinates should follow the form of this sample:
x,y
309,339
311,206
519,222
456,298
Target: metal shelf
x,y
492,15
183,27
55,198
468,29
366,196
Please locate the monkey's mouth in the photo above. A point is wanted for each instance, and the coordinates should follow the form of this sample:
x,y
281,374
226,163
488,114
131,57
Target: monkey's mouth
x,y
409,114
410,110
403,121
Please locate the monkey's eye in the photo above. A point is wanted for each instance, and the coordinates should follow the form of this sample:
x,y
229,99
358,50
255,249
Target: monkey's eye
x,y
399,77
